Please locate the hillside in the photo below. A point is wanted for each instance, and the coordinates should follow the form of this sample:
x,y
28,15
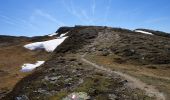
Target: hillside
x,y
158,33
13,55
94,63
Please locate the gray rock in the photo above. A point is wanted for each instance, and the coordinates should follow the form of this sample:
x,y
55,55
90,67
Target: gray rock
x,y
112,96
42,91
54,78
123,82
105,53
22,97
74,71
46,78
77,96
69,79
135,97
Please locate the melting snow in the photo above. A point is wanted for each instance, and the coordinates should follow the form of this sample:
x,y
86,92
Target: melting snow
x,y
140,31
49,45
29,67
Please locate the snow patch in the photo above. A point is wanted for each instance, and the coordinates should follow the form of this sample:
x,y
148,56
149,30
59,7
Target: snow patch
x,y
29,67
49,45
144,32
53,34
62,35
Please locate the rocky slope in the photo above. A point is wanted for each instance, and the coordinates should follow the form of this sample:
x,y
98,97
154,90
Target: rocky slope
x,y
66,73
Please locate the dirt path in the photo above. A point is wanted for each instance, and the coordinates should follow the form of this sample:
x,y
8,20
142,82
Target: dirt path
x,y
156,76
132,81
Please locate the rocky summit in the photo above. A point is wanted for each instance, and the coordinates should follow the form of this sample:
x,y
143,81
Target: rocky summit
x,y
92,63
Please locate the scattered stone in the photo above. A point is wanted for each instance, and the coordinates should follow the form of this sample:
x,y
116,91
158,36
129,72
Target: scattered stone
x,y
42,91
143,58
93,49
46,78
79,69
79,63
128,52
123,82
52,70
80,81
78,75
54,78
77,96
73,59
22,97
135,97
112,97
119,60
3,93
68,84
73,71
69,79
105,53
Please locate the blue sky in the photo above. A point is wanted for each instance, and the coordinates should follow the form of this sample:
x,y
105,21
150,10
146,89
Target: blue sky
x,y
40,17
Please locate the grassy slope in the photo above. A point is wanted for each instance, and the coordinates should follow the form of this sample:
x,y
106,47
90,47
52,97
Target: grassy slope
x,y
12,57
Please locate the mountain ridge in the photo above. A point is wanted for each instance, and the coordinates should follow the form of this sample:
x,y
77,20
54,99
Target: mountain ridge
x,y
116,46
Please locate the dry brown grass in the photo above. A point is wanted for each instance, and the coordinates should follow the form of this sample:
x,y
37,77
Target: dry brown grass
x,y
11,60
